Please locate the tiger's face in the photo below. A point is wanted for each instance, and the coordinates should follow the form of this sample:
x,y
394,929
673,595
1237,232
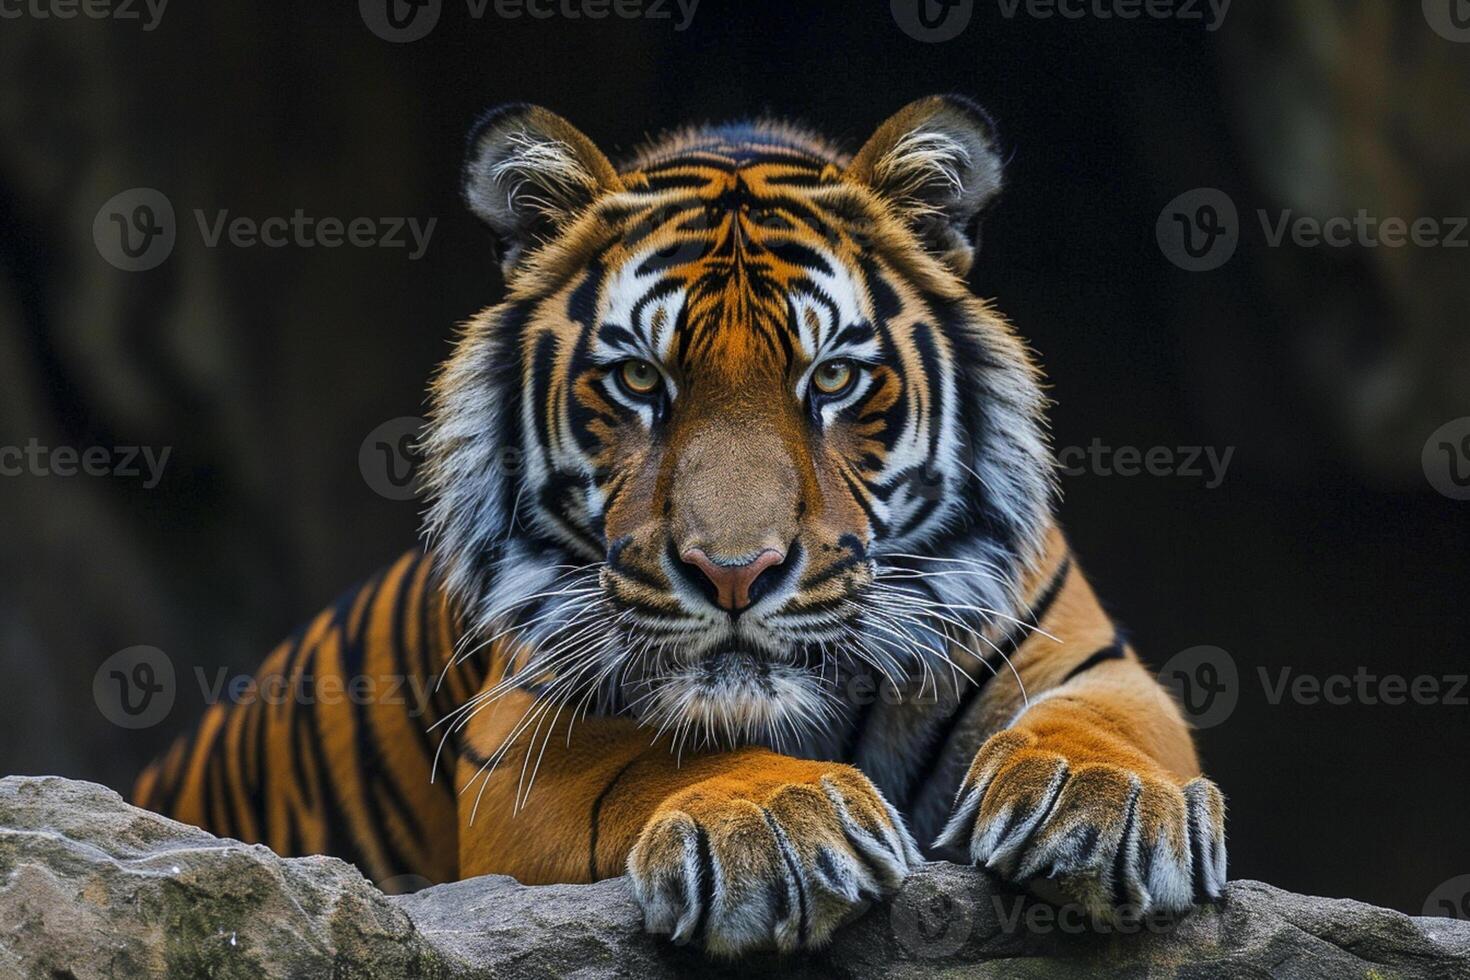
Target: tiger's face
x,y
739,431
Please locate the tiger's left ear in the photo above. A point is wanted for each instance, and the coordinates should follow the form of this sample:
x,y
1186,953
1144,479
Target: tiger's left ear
x,y
528,173
937,162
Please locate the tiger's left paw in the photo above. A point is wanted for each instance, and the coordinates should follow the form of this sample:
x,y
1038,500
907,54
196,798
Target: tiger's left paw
x,y
1118,842
738,868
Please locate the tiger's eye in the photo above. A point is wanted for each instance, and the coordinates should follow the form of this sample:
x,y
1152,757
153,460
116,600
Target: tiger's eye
x,y
832,377
640,376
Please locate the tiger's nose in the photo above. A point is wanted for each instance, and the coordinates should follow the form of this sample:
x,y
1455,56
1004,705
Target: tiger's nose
x,y
734,582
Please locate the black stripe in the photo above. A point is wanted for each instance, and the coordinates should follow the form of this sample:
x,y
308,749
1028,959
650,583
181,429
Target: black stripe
x,y
320,797
597,818
1112,652
260,730
543,359
164,803
1120,859
706,883
369,761
797,881
216,819
1007,646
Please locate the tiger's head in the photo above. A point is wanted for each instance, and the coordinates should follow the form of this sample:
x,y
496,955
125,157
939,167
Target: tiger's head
x,y
739,429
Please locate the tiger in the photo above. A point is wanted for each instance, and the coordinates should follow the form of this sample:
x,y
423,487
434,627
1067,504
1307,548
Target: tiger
x,y
741,571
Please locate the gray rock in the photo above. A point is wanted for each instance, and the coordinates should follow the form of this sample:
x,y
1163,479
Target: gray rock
x,y
92,887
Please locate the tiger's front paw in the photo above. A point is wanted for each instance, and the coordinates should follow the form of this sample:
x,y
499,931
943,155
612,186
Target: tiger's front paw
x,y
1117,841
736,868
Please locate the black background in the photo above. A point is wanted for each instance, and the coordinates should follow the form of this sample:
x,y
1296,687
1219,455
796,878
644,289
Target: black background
x,y
1325,549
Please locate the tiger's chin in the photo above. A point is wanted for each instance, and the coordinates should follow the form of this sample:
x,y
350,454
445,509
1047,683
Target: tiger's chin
x,y
736,697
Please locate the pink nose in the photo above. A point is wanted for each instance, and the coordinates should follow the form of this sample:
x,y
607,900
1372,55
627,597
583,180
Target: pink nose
x,y
732,582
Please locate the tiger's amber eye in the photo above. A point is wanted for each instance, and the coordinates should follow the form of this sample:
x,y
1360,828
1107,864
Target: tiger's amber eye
x,y
641,377
832,377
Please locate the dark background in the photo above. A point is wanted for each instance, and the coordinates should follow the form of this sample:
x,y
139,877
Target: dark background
x,y
1325,549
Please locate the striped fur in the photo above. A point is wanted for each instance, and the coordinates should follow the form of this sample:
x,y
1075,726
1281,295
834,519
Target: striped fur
x,y
742,575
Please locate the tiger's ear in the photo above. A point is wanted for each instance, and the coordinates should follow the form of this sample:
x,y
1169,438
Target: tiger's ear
x,y
936,160
528,172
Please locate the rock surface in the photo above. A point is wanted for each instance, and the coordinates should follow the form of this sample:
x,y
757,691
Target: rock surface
x,y
91,887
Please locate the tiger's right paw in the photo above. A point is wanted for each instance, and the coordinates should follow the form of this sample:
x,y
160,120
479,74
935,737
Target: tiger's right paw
x,y
737,868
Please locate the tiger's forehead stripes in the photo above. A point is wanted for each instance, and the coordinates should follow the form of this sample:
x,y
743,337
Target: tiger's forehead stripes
x,y
729,266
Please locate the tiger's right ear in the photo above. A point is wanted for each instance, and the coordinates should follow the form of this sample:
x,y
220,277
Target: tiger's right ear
x,y
938,161
527,173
